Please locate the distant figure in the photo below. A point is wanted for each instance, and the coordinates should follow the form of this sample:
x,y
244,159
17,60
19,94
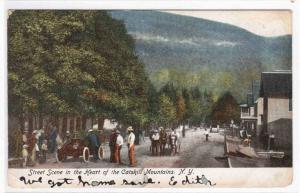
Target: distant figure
x,y
178,141
41,137
173,142
93,143
112,144
272,141
143,135
118,147
163,137
206,133
67,138
32,144
59,142
52,140
44,149
25,155
155,143
130,145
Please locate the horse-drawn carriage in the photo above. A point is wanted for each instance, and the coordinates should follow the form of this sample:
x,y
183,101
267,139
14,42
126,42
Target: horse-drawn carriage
x,y
169,142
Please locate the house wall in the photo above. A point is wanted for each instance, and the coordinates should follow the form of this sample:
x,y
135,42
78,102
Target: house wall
x,y
280,122
278,108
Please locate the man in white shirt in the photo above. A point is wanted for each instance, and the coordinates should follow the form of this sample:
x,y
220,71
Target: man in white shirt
x,y
130,144
155,143
118,147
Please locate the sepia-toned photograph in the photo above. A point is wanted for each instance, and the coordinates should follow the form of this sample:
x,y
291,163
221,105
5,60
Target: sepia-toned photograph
x,y
149,89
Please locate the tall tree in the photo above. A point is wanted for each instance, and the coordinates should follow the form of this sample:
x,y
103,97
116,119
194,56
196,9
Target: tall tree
x,y
81,63
167,111
180,109
225,109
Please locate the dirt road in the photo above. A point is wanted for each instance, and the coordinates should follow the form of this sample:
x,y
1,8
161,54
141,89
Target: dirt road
x,y
195,152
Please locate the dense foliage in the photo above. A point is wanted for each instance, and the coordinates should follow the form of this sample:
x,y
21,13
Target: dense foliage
x,y
74,63
83,64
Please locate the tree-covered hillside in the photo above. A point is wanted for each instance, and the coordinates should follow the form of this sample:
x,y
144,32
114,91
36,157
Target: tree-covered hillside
x,y
197,52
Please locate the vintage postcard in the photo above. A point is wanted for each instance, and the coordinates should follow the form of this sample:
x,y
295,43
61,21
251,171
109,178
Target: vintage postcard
x,y
149,99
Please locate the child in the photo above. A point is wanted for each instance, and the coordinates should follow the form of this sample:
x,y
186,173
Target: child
x,y
25,155
44,149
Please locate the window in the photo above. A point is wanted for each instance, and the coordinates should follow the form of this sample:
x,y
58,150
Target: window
x,y
290,104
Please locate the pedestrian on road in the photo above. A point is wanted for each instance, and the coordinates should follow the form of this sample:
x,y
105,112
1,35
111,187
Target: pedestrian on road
x,y
173,142
25,155
143,135
41,137
52,140
130,144
93,143
206,133
32,144
112,144
44,149
118,147
272,141
178,141
163,136
155,143
67,138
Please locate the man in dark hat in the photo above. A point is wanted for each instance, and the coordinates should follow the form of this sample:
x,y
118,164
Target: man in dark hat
x,y
94,143
162,140
112,144
155,143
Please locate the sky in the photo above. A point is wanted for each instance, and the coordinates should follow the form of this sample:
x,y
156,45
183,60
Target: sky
x,y
263,23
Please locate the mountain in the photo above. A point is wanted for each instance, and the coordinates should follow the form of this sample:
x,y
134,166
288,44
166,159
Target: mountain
x,y
191,51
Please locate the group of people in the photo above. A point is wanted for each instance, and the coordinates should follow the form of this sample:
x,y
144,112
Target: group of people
x,y
116,142
160,139
37,144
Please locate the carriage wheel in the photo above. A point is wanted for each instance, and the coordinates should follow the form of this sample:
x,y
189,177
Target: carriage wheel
x,y
86,154
101,152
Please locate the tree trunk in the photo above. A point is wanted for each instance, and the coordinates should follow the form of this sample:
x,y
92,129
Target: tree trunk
x,y
68,123
183,130
60,125
22,123
137,136
83,123
30,125
88,124
78,124
41,123
75,124
100,123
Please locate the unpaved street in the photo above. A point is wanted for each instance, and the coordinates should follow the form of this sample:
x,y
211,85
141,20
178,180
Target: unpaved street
x,y
195,152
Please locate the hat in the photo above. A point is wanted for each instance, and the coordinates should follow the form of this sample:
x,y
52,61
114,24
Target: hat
x,y
68,131
90,130
155,131
130,129
160,128
34,131
25,146
118,132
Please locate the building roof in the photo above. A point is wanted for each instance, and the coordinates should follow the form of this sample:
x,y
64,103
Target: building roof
x,y
277,83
